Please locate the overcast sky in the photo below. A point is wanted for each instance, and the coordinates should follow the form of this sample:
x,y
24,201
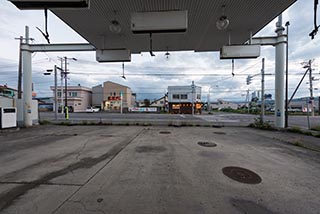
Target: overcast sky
x,y
87,72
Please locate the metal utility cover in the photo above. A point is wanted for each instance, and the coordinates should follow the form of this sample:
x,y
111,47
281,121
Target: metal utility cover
x,y
201,34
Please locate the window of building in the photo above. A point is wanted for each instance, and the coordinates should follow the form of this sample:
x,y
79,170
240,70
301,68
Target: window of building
x,y
59,93
198,96
184,96
175,96
161,102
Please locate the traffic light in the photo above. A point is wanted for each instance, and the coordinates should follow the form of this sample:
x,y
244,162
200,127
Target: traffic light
x,y
249,79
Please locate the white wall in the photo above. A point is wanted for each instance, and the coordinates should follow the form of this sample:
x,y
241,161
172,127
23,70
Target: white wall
x,y
6,102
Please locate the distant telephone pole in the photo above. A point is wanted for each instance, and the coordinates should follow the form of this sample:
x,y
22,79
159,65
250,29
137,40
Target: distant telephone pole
x,y
20,69
311,88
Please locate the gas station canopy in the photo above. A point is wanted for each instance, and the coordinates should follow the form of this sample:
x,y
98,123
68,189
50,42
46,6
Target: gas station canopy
x,y
111,24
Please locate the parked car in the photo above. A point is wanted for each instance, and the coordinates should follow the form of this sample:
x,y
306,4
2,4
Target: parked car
x,y
70,109
92,109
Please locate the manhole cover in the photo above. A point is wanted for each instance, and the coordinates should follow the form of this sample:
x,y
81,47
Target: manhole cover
x,y
207,144
165,132
222,133
241,175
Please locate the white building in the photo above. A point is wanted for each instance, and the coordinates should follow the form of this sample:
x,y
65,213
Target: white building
x,y
182,98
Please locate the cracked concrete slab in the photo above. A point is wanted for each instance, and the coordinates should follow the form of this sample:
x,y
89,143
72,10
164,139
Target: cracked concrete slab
x,y
178,178
129,169
43,199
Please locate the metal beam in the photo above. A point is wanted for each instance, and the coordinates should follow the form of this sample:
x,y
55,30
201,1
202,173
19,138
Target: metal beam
x,y
269,40
58,47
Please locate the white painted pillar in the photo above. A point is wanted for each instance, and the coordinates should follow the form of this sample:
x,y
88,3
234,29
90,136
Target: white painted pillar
x,y
279,76
27,83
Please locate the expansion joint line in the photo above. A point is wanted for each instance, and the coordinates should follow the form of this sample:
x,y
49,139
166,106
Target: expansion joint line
x,y
111,159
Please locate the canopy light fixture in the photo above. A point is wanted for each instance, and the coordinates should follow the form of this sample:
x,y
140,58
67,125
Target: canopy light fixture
x,y
49,4
223,22
115,27
167,54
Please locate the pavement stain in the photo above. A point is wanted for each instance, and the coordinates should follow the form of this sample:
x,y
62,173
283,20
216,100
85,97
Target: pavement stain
x,y
250,207
9,197
16,173
150,149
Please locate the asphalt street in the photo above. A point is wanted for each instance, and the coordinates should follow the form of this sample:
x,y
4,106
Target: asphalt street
x,y
217,118
135,169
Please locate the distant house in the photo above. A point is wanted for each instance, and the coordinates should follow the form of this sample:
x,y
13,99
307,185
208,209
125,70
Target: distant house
x,y
161,104
182,98
222,104
5,91
78,97
7,96
108,97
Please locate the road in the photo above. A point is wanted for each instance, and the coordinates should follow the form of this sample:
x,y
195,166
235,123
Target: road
x,y
217,118
134,169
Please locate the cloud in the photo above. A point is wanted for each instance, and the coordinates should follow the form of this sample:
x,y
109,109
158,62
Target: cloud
x,y
149,76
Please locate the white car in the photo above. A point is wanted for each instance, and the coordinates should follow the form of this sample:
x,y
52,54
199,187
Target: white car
x,y
92,109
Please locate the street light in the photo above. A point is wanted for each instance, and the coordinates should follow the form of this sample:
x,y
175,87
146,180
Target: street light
x,y
66,85
48,72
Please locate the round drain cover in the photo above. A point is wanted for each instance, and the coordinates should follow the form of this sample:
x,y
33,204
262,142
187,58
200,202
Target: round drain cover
x,y
207,144
99,200
165,132
222,133
241,175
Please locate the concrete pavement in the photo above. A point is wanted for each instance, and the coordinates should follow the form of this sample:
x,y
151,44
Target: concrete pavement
x,y
132,169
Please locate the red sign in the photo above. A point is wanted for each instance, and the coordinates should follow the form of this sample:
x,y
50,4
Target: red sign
x,y
114,98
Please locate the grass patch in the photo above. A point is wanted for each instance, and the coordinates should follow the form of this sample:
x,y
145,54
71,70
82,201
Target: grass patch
x,y
65,123
316,128
45,122
295,130
298,143
258,123
308,133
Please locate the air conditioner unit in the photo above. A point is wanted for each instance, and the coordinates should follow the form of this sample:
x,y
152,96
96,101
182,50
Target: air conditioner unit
x,y
117,55
49,4
159,22
240,51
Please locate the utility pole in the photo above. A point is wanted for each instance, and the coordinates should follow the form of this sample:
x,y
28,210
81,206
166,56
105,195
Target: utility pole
x,y
287,74
66,88
27,82
121,103
248,100
55,89
311,88
262,91
20,69
192,87
61,84
279,77
66,85
55,94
